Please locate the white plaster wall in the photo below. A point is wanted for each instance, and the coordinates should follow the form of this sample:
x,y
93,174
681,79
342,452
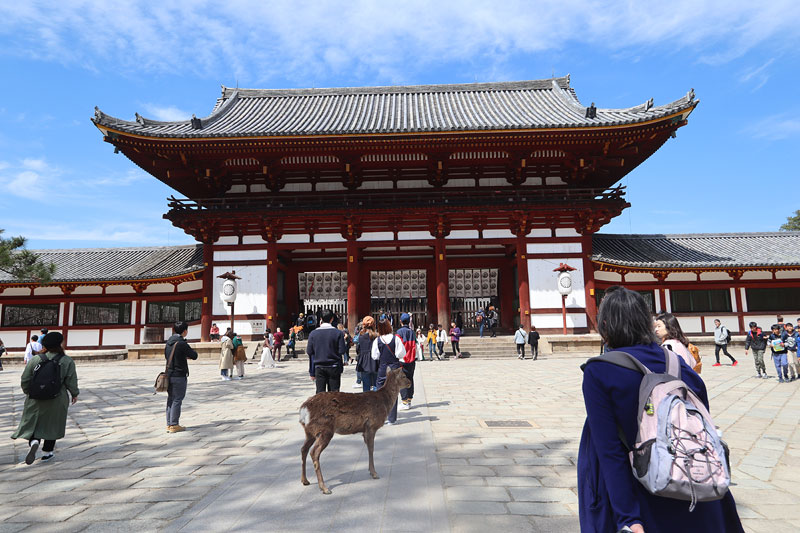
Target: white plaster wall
x,y
387,185
715,276
287,239
252,290
194,332
240,255
554,248
757,275
567,232
18,291
493,182
14,339
765,321
47,291
787,274
115,337
167,332
159,288
71,312
498,234
680,276
730,322
554,180
464,234
328,237
238,188
84,337
133,313
607,276
552,320
667,299
639,276
376,236
252,239
734,308
118,289
62,317
330,186
413,235
532,181
460,182
540,233
195,285
542,282
143,312
297,187
414,184
657,302
744,299
227,240
690,324
258,187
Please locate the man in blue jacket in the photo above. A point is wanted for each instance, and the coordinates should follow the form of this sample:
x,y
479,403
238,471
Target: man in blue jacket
x,y
325,349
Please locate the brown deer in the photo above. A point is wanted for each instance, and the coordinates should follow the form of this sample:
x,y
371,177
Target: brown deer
x,y
344,413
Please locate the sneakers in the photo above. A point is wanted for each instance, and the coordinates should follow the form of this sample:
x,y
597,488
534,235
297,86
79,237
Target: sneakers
x,y
176,429
716,364
357,385
31,457
405,405
735,363
225,378
236,377
389,423
46,457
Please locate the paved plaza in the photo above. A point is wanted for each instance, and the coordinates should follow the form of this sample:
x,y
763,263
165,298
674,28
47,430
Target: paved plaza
x,y
448,465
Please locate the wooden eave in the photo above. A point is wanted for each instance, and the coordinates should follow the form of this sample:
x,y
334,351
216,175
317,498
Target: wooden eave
x,y
68,286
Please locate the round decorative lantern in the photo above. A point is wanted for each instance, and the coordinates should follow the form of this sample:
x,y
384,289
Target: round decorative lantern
x,y
229,289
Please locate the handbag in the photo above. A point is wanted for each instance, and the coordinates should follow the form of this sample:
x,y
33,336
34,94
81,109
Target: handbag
x,y
162,380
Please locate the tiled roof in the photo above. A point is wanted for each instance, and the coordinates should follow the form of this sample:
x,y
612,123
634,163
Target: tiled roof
x,y
700,250
112,264
537,104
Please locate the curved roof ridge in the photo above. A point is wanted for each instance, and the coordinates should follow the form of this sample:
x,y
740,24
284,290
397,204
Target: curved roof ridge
x,y
698,235
114,248
212,117
541,84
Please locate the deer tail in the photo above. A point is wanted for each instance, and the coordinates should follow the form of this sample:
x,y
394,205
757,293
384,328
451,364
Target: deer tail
x,y
303,415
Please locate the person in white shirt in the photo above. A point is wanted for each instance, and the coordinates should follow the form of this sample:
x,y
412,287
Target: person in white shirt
x,y
441,338
32,348
389,351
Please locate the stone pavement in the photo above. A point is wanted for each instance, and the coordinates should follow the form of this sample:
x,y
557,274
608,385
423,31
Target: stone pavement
x,y
448,465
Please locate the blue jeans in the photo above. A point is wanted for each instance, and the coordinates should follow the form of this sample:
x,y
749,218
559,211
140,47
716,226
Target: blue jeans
x,y
480,328
431,349
393,413
781,362
176,392
368,381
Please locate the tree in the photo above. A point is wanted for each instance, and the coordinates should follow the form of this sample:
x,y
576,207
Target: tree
x,y
22,264
792,223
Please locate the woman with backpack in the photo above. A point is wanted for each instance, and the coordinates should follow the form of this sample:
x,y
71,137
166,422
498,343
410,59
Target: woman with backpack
x,y
610,497
49,381
669,331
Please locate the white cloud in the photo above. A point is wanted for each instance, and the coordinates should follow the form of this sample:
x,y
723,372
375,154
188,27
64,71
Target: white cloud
x,y
254,41
776,127
35,164
27,184
757,75
168,113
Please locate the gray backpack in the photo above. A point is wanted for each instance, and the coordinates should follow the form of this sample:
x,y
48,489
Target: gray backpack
x,y
678,452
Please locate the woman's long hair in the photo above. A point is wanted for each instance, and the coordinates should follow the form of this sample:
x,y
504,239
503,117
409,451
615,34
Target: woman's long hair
x,y
673,328
384,326
624,319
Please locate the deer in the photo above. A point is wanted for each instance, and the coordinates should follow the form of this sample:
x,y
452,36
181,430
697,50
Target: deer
x,y
344,413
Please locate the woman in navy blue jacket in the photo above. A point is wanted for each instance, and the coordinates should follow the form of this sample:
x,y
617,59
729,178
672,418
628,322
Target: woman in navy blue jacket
x,y
609,497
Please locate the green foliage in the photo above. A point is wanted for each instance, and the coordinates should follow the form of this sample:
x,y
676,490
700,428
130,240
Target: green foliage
x,y
792,223
22,264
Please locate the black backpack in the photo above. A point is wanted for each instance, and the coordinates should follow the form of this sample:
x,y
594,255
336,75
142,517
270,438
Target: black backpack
x,y
46,381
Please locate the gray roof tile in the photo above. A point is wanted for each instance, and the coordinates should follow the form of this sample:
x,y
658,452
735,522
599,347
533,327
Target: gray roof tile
x,y
536,104
700,250
113,264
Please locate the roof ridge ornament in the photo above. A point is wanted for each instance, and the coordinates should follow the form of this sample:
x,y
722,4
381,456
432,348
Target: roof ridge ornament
x,y
197,124
591,111
139,119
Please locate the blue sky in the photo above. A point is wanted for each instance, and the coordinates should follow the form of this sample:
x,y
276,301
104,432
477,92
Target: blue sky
x,y
732,169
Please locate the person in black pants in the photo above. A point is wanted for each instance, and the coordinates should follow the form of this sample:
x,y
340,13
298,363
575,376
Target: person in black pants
x,y
178,374
325,349
533,340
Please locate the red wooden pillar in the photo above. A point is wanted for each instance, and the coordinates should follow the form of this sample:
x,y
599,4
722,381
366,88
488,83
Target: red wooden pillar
x,y
206,309
442,285
272,286
588,282
352,284
507,288
522,279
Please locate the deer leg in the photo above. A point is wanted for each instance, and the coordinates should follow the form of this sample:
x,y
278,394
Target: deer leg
x,y
322,442
369,439
303,453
